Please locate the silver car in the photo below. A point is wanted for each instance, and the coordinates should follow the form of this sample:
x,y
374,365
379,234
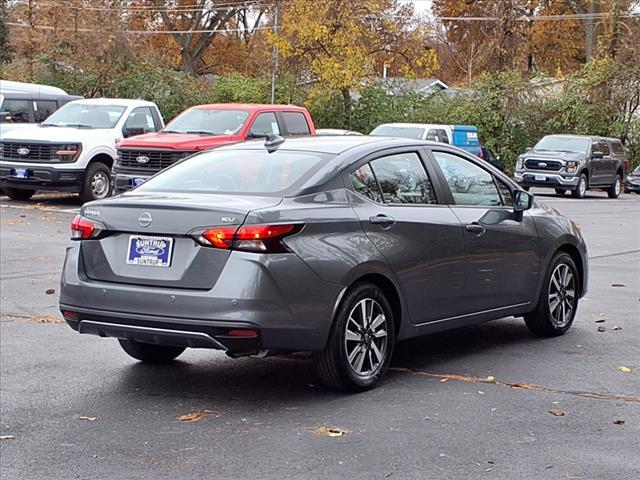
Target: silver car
x,y
340,246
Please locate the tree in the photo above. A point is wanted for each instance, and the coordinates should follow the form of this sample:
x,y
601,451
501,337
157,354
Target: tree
x,y
341,43
6,49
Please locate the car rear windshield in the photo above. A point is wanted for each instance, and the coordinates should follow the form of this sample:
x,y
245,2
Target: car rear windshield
x,y
238,171
563,144
82,115
398,131
205,121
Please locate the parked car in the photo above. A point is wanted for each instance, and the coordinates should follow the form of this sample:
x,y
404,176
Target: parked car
x,y
74,149
28,103
461,136
573,163
200,128
632,182
335,131
335,245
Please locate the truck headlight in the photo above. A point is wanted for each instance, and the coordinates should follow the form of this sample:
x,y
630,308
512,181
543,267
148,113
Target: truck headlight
x,y
68,152
520,163
572,167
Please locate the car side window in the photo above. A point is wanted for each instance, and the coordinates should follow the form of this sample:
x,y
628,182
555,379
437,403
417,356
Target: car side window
x,y
141,121
432,135
596,147
403,179
605,148
469,184
442,136
296,123
265,124
42,109
617,148
15,111
365,183
505,192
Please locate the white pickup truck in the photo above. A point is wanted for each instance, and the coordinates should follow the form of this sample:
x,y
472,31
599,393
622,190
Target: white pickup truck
x,y
74,149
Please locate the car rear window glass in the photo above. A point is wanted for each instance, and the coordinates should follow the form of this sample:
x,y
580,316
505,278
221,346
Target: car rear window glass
x,y
364,182
296,123
469,184
403,179
398,131
242,171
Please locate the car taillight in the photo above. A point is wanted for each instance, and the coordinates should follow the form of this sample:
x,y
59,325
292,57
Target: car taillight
x,y
250,238
82,228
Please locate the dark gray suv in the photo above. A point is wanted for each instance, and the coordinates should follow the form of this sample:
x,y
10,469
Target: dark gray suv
x,y
340,246
573,163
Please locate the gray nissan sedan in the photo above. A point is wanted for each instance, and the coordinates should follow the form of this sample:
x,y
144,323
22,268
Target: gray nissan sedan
x,y
339,246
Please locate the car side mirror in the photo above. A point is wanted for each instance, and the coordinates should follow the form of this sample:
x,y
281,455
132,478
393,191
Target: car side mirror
x,y
522,201
130,132
597,155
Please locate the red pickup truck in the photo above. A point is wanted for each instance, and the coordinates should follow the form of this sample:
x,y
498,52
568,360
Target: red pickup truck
x,y
200,128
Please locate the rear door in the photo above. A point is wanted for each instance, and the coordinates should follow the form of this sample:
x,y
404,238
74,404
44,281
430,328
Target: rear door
x,y
421,240
503,260
598,165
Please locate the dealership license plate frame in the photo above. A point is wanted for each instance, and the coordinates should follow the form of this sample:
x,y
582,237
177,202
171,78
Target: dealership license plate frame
x,y
141,248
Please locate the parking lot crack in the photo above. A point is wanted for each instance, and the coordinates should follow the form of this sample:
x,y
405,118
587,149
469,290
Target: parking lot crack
x,y
596,257
519,386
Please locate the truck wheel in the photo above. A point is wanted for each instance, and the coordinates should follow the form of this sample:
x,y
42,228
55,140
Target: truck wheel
x,y
18,194
581,188
360,343
97,183
145,352
558,299
614,190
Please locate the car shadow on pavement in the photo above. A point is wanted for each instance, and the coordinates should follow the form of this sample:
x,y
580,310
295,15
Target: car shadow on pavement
x,y
213,376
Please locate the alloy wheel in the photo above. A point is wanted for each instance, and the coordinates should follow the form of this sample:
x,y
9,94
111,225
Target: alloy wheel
x,y
365,339
582,187
561,295
617,186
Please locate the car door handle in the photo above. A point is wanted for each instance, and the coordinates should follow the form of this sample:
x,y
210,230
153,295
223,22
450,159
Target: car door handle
x,y
383,220
475,228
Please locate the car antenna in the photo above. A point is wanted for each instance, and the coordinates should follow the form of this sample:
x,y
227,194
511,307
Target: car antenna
x,y
273,142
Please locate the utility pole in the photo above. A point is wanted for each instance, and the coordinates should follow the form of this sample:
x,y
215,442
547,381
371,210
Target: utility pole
x,y
275,53
590,31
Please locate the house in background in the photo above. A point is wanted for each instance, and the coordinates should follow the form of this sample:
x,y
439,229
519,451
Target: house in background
x,y
395,86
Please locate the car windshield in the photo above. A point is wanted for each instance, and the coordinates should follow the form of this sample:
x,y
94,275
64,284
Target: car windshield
x,y
83,115
205,121
242,171
563,144
636,171
398,131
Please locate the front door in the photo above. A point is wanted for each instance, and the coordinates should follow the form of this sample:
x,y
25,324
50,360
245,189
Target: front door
x,y
421,240
503,262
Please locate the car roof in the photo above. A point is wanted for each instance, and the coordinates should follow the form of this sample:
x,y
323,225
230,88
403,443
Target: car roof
x,y
15,95
332,144
125,102
249,106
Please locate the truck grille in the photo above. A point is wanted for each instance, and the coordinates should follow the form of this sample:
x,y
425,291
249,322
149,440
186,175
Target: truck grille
x,y
536,164
148,161
30,152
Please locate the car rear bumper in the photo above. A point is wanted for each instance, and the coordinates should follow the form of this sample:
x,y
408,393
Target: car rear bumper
x,y
551,180
253,292
41,178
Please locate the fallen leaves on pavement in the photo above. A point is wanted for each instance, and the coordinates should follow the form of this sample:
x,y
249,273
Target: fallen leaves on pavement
x,y
47,319
556,413
618,285
618,421
601,329
194,416
7,437
624,369
330,431
89,419
50,291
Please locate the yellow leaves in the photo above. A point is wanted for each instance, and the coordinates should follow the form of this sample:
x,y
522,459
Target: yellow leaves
x,y
624,369
330,431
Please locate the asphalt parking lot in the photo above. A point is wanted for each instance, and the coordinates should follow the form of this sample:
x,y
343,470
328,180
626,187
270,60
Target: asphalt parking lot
x,y
486,402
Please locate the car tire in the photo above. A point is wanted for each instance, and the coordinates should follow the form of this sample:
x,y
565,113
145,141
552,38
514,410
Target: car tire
x,y
18,194
97,183
614,190
360,343
148,353
561,191
581,188
556,308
